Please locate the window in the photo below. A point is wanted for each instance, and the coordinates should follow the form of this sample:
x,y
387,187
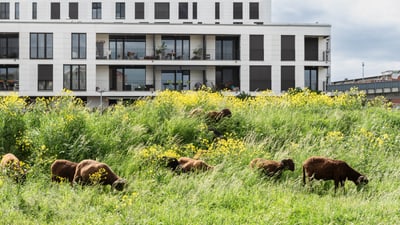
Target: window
x,y
127,47
78,48
311,49
41,45
17,10
254,11
96,10
178,47
287,48
120,10
256,47
34,10
127,78
194,10
45,77
227,77
161,10
175,79
9,45
9,77
260,78
227,48
139,10
73,10
287,77
75,77
237,10
217,10
4,10
55,10
183,10
311,78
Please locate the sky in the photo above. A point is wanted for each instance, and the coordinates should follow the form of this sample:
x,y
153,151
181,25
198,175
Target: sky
x,y
363,31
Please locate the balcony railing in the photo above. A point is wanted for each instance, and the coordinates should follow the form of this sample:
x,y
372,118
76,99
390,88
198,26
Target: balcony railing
x,y
393,85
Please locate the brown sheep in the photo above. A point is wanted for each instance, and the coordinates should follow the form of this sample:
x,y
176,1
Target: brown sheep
x,y
187,164
271,167
11,165
331,169
62,169
90,172
216,116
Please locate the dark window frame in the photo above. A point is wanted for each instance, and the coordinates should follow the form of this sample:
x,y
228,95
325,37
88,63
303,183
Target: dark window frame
x,y
288,48
225,80
237,10
7,82
179,82
254,11
120,10
68,83
310,81
4,10
82,50
126,85
288,77
16,11
194,10
221,53
256,51
34,10
7,50
217,10
183,10
139,10
47,45
161,10
260,78
45,77
55,11
311,48
96,10
73,10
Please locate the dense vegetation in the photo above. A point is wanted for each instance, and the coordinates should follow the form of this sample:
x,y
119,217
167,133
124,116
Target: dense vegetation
x,y
132,138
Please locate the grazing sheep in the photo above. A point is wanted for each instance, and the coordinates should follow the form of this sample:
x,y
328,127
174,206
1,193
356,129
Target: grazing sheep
x,y
11,166
216,116
90,172
331,169
187,164
271,167
62,169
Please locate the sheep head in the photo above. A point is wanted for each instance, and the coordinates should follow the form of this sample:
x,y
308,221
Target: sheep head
x,y
288,164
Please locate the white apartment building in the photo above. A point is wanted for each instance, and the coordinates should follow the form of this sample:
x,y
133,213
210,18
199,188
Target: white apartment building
x,y
122,49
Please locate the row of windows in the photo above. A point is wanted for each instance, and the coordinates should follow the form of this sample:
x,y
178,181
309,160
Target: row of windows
x,y
161,10
132,78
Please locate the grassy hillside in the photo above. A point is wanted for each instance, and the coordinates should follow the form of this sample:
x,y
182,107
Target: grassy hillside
x,y
133,138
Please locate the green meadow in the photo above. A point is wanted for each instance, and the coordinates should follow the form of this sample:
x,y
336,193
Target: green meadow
x,y
133,137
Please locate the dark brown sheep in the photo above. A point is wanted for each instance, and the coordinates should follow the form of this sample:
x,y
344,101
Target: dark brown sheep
x,y
188,164
322,168
11,166
217,116
62,169
91,172
271,167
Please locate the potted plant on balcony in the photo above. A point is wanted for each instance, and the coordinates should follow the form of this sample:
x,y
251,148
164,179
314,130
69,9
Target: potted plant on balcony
x,y
197,52
160,50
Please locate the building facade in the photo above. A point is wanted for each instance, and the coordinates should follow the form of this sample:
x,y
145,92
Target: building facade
x,y
127,49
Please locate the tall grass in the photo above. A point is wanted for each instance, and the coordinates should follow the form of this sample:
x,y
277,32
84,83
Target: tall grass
x,y
132,139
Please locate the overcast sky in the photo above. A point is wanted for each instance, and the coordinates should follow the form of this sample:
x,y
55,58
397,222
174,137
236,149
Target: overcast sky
x,y
362,31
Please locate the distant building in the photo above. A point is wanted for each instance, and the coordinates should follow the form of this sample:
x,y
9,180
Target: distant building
x,y
128,49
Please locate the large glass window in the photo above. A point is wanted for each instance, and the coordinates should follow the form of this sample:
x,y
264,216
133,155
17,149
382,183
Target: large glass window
x,y
288,48
127,78
254,11
41,45
227,77
237,10
175,79
9,45
260,78
287,77
34,10
4,10
227,48
55,11
161,10
256,47
177,47
120,10
311,78
96,10
183,10
127,47
78,48
75,77
45,77
139,10
9,77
